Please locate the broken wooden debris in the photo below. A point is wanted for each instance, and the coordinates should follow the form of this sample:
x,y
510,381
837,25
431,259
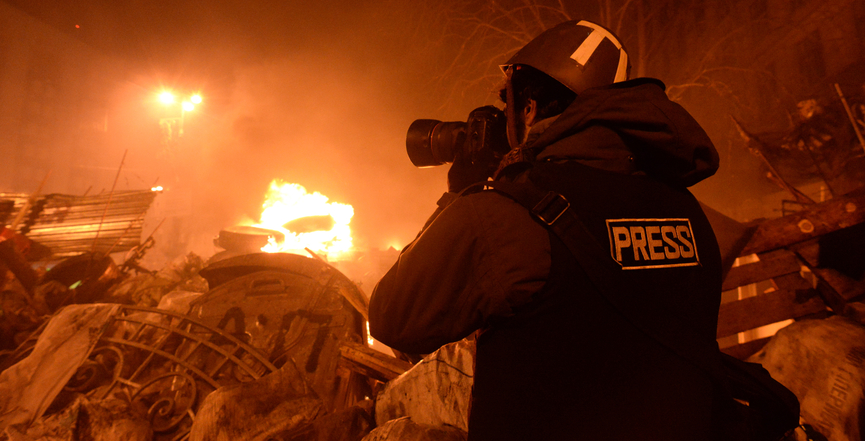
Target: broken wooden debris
x,y
372,363
70,225
808,223
791,265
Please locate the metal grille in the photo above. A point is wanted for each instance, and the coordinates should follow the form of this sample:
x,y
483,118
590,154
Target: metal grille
x,y
167,361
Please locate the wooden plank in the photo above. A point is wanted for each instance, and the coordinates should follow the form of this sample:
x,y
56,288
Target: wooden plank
x,y
352,294
846,287
6,207
747,349
349,290
790,282
372,363
813,221
808,250
780,264
764,309
341,398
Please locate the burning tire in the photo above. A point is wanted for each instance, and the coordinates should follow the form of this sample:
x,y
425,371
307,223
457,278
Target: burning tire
x,y
246,239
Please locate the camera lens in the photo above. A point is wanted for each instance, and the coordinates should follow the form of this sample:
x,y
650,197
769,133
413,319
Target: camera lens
x,y
431,142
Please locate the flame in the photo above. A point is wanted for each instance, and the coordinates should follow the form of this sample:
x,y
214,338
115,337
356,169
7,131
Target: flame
x,y
286,202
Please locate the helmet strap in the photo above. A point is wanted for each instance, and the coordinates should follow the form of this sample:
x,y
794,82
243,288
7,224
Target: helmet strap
x,y
514,136
517,158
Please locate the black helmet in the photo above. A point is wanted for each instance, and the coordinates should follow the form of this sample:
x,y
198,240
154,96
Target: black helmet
x,y
580,55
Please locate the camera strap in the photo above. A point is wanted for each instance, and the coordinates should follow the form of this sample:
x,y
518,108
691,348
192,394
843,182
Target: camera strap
x,y
513,138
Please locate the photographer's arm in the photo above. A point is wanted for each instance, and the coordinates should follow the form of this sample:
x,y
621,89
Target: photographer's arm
x,y
443,202
461,175
481,257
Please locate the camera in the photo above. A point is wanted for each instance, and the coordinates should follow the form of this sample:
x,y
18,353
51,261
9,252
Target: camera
x,y
481,139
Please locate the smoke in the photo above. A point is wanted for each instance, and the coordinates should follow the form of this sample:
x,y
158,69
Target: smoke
x,y
329,113
317,93
332,131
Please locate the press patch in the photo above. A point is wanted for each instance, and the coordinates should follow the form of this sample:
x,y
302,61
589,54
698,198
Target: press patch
x,y
652,243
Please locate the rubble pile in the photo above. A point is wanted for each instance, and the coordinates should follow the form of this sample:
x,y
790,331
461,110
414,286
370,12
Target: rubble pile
x,y
272,347
823,145
257,346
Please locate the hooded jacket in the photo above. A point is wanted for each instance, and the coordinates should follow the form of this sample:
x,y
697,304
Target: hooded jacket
x,y
632,128
485,264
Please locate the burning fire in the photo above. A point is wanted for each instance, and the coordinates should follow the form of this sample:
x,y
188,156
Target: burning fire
x,y
307,220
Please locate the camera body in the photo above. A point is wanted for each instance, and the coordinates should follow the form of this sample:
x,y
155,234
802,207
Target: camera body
x,y
482,139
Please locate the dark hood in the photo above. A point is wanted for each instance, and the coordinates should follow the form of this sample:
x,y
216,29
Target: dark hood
x,y
631,127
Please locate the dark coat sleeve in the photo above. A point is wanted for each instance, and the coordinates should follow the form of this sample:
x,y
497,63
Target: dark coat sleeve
x,y
480,258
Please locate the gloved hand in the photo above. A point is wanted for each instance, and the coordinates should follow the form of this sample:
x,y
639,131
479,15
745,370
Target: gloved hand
x,y
463,173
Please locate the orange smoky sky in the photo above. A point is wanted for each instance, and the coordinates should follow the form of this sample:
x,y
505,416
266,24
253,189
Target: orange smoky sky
x,y
319,94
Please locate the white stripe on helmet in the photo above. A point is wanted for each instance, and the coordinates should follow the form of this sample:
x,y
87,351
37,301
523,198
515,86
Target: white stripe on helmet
x,y
590,44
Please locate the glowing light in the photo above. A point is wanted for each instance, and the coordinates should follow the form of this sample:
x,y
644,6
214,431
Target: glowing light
x,y
157,188
308,220
166,97
369,340
187,106
196,99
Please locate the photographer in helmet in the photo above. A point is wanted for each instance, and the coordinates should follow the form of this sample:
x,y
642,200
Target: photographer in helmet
x,y
557,357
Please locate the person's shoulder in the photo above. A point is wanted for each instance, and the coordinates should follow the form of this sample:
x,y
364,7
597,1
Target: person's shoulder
x,y
493,213
487,200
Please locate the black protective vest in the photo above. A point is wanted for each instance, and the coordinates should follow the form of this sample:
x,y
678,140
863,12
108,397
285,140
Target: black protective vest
x,y
568,366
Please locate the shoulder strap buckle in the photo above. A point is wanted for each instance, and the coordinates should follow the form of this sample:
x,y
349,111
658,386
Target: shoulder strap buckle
x,y
551,207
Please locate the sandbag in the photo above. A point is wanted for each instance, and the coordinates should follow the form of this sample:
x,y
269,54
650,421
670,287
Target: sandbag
x,y
823,363
256,410
350,424
436,391
404,429
28,387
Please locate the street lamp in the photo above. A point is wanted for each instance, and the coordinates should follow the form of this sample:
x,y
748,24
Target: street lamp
x,y
168,124
166,97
